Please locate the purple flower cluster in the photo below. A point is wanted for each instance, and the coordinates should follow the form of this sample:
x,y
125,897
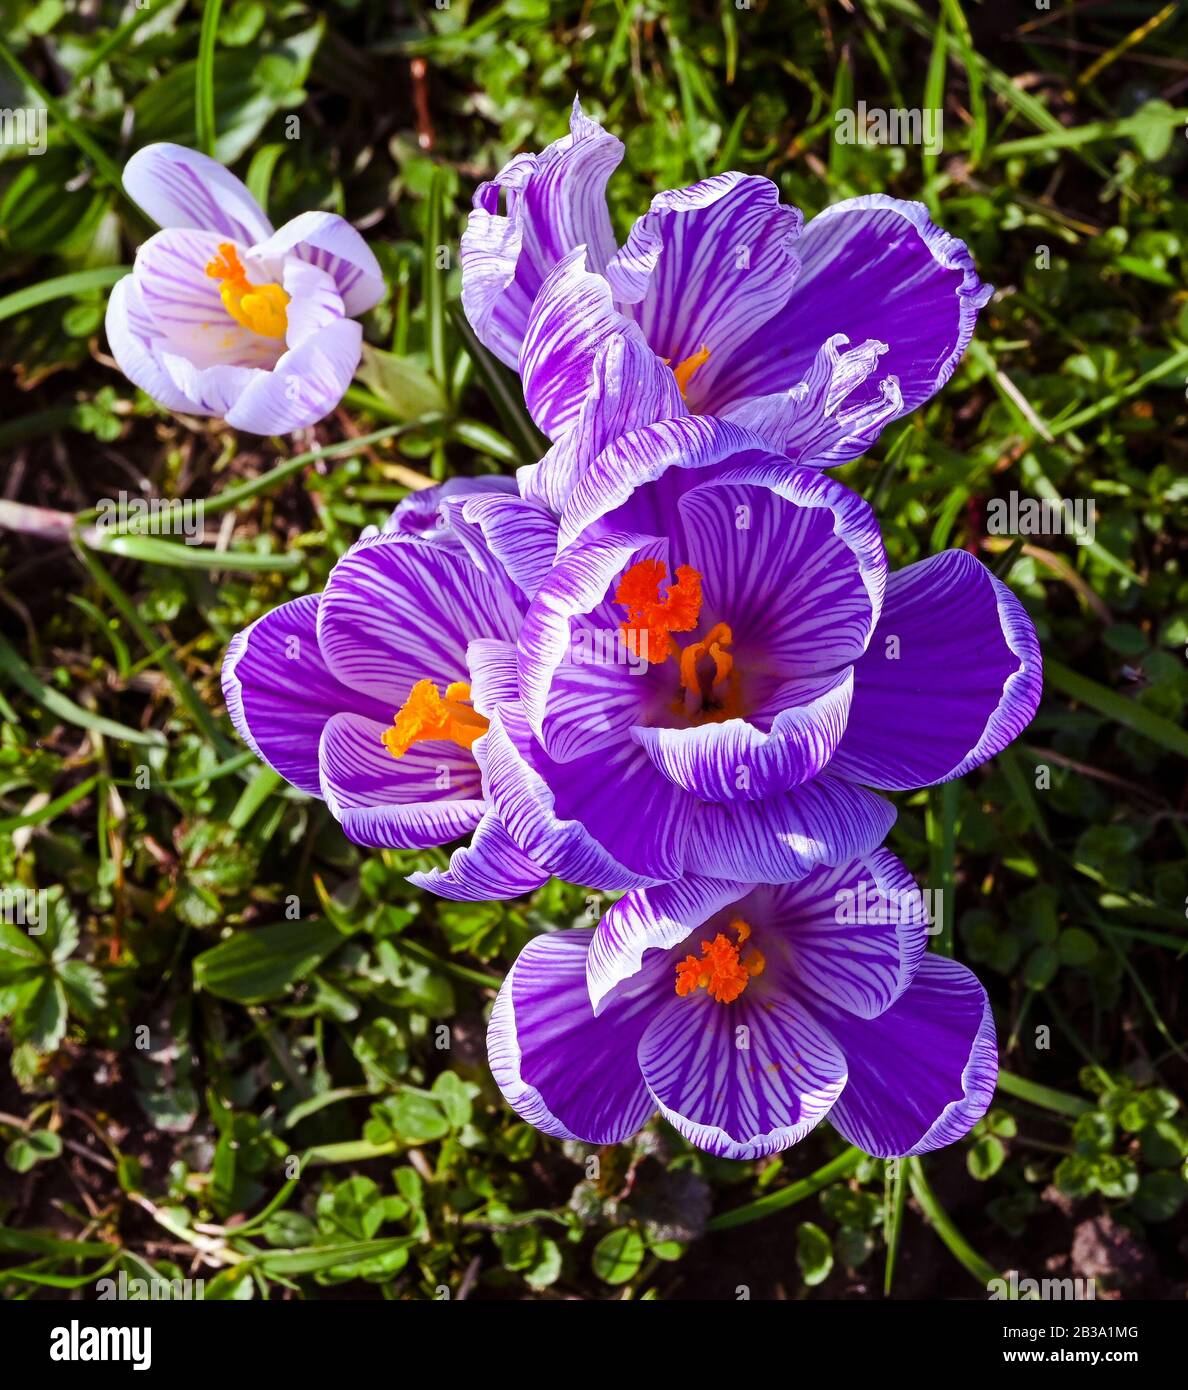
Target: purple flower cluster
x,y
671,661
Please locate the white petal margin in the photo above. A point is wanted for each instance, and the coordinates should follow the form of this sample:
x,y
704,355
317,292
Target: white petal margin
x,y
561,1069
922,1073
650,919
305,385
178,187
330,242
744,1079
135,347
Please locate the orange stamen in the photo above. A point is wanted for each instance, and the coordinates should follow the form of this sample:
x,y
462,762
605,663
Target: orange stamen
x,y
426,717
716,696
684,369
260,308
650,617
721,970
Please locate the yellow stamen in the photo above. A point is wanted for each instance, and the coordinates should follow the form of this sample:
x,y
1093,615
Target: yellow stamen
x,y
426,717
684,369
722,970
260,308
710,697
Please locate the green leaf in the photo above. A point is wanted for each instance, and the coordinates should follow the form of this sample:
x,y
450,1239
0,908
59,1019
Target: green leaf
x,y
260,964
618,1255
35,1147
814,1253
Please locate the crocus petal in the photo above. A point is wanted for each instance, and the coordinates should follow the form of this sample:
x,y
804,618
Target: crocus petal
x,y
923,1072
571,320
650,919
853,935
424,515
305,385
280,692
811,422
825,821
494,679
555,202
396,612
560,1068
183,303
512,534
871,267
954,669
135,345
629,387
735,761
182,188
569,817
430,796
791,559
314,301
741,1080
214,390
330,242
491,866
704,266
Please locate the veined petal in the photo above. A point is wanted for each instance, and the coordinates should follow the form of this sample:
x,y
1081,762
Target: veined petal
x,y
280,692
330,242
954,669
494,679
853,935
491,866
314,301
780,840
569,817
704,267
135,345
430,796
871,267
650,919
555,202
305,385
214,390
743,1079
400,611
511,534
183,188
426,516
561,1069
923,1072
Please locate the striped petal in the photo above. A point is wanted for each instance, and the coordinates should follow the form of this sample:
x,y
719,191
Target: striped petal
x,y
430,796
871,267
704,267
398,611
306,384
555,202
954,668
568,1073
182,188
923,1072
136,346
780,840
569,817
426,515
491,866
744,1079
329,242
280,691
853,935
507,533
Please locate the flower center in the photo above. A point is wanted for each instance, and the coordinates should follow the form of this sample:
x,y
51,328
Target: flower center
x,y
723,969
709,684
684,369
426,717
260,308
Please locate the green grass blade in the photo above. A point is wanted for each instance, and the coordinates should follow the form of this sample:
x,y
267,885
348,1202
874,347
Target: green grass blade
x,y
204,98
1116,707
836,1170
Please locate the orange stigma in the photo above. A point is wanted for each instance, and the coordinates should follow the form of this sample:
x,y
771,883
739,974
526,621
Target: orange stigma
x,y
650,618
722,971
426,717
684,369
260,308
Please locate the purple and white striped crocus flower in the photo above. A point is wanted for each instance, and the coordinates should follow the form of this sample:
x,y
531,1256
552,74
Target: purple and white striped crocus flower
x,y
375,694
717,666
747,1013
721,302
223,315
